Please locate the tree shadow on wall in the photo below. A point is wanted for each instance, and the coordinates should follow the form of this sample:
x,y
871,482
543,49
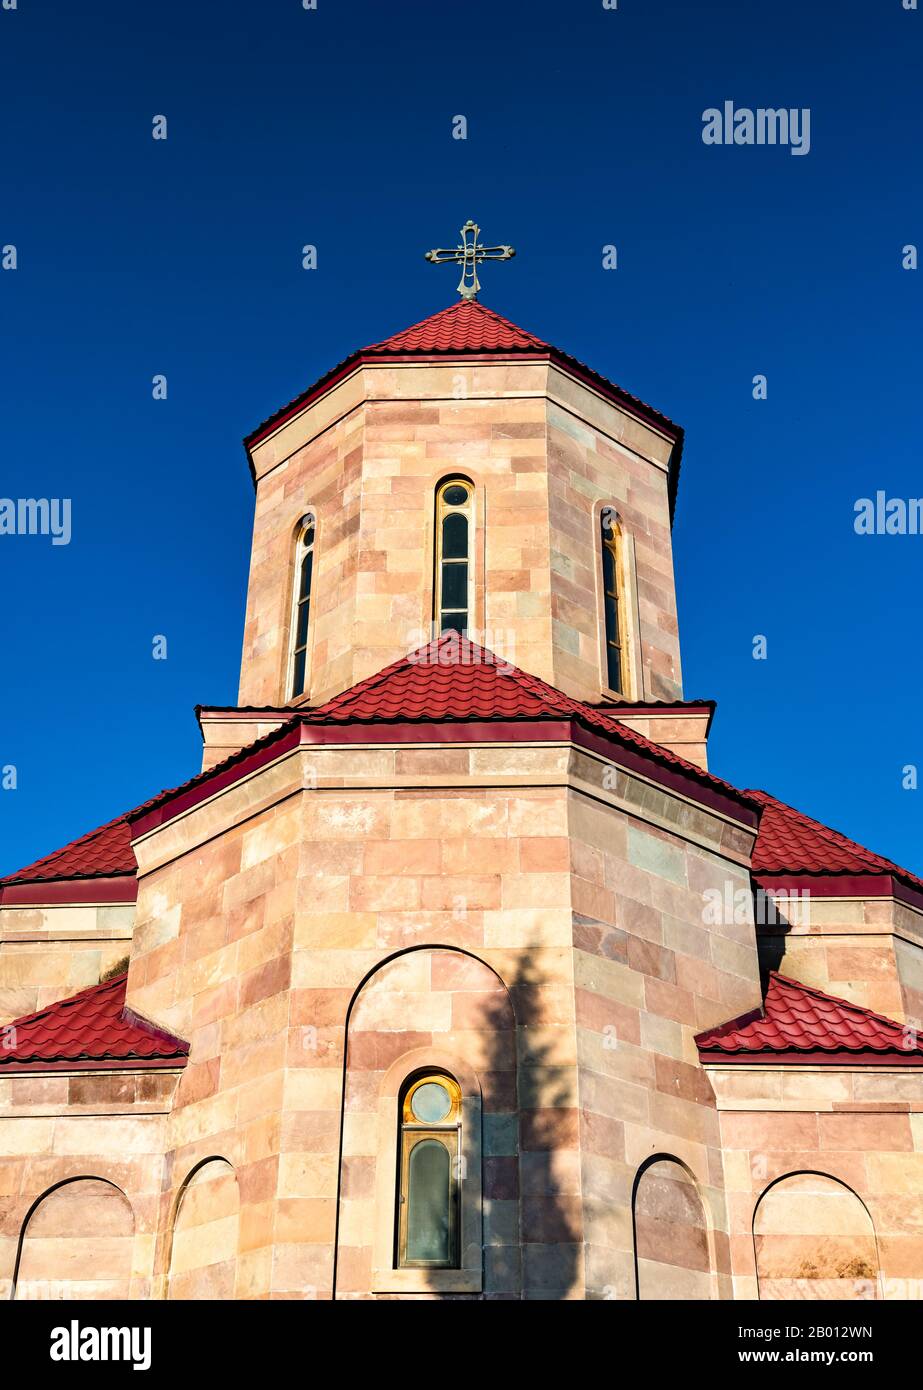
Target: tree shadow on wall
x,y
532,1225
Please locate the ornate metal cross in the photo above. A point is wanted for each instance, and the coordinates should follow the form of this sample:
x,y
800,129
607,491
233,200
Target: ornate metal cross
x,y
469,255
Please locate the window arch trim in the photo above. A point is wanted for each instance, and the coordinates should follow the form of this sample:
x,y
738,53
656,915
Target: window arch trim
x,y
302,598
707,1211
837,1181
49,1191
430,1134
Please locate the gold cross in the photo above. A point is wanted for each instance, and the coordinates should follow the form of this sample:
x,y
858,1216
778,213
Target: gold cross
x,y
469,255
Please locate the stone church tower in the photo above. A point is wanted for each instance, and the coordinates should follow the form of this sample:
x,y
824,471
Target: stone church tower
x,y
444,975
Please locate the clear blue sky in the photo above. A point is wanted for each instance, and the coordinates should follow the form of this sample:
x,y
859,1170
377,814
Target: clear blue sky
x,y
333,127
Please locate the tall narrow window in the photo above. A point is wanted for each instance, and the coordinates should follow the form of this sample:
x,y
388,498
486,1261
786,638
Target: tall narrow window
x,y
301,604
451,604
427,1223
616,672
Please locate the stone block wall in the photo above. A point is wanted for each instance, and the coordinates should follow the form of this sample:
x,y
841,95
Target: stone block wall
x,y
49,952
541,451
650,971
866,950
595,456
81,1173
528,917
824,1176
261,914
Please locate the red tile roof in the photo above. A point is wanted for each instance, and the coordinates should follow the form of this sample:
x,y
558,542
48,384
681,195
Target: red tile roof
x,y
104,852
469,328
451,677
453,680
92,1030
790,842
614,707
803,1024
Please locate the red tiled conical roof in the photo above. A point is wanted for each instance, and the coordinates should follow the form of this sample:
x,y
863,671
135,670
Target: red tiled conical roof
x,y
468,328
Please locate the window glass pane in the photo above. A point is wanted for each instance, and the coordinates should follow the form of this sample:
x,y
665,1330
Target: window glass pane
x,y
428,1198
458,621
455,537
298,677
455,496
301,626
612,620
431,1102
615,669
307,568
608,570
308,537
455,586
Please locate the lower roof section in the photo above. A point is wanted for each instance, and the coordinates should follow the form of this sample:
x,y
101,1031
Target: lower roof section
x,y
91,1031
791,843
453,690
302,731
800,1024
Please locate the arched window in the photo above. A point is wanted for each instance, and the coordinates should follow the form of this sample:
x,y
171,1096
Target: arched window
x,y
430,1154
613,602
301,604
454,529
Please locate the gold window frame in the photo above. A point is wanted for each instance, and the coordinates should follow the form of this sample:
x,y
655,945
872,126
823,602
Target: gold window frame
x,y
448,1133
443,510
308,523
610,531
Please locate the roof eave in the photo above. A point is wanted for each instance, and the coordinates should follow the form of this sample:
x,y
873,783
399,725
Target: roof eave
x,y
785,1057
870,884
302,730
176,1062
76,889
647,415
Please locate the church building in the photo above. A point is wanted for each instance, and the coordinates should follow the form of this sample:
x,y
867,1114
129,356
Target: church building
x,y
455,972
